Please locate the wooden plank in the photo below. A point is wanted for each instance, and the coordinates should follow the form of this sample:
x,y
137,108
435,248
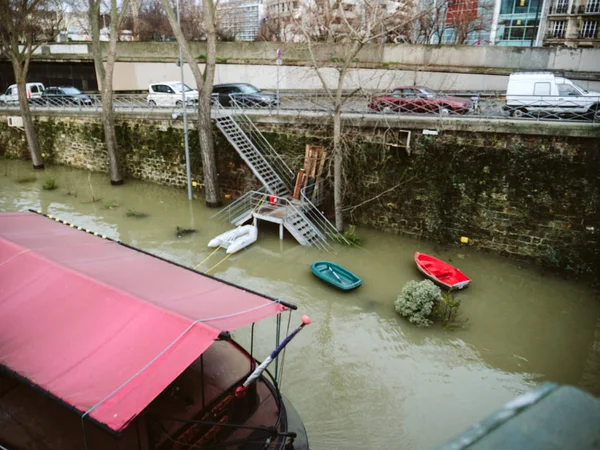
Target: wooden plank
x,y
299,184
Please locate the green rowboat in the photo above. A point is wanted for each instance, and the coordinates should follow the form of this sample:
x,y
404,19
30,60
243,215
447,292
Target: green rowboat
x,y
335,275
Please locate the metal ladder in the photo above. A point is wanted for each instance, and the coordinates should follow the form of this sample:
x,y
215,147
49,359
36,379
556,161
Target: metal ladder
x,y
255,160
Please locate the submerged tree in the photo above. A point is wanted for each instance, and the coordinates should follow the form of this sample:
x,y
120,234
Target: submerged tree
x,y
204,83
104,75
344,29
25,25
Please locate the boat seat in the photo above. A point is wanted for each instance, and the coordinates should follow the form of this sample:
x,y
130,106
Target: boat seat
x,y
440,274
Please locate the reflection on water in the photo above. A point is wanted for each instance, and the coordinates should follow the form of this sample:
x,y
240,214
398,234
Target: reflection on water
x,y
360,376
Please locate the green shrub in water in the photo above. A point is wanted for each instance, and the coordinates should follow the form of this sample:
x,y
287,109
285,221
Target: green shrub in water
x,y
49,184
352,237
417,300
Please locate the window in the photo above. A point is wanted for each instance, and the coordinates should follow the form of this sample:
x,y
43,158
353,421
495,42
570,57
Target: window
x,y
558,28
541,89
566,89
593,6
33,89
589,29
562,6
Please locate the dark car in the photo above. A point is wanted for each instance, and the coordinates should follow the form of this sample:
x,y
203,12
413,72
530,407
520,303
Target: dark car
x,y
65,95
419,100
243,94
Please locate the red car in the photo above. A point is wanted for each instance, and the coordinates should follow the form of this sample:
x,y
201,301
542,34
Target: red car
x,y
419,100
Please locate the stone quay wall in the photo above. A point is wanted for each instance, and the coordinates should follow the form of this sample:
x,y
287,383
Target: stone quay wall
x,y
524,195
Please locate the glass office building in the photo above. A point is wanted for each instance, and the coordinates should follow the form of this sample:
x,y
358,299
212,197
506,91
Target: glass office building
x,y
518,22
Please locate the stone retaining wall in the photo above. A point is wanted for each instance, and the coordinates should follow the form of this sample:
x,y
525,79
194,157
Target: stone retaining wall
x,y
535,197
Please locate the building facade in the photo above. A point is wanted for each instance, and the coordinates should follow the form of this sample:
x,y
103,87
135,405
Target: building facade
x,y
518,23
573,23
240,19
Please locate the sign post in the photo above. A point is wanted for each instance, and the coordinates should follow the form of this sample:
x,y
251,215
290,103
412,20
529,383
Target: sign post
x,y
279,63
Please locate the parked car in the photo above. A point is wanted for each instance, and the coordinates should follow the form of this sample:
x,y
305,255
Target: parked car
x,y
545,93
244,94
65,96
10,96
419,99
168,94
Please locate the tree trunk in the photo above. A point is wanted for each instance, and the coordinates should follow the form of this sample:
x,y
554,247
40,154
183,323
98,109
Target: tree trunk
x,y
204,83
338,152
108,115
30,133
338,159
105,82
209,163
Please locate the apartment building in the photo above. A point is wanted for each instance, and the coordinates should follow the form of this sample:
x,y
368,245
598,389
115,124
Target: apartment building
x,y
240,19
573,23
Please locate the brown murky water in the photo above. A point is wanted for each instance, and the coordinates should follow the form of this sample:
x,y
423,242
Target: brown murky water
x,y
360,376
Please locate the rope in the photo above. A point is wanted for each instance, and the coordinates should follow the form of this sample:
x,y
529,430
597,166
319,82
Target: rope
x,y
218,263
205,259
287,333
277,338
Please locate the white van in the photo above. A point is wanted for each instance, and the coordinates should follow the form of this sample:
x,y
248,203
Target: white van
x,y
543,92
34,90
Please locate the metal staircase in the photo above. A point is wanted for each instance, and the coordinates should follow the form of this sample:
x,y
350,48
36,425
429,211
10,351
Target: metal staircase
x,y
273,202
261,158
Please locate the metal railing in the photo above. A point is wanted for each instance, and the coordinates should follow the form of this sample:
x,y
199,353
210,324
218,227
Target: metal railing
x,y
242,206
361,104
317,217
261,202
262,145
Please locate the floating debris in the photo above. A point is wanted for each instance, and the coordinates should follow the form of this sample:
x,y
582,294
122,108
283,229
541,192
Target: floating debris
x,y
135,214
184,232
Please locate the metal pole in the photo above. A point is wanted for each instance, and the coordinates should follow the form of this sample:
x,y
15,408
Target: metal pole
x,y
495,18
185,128
278,99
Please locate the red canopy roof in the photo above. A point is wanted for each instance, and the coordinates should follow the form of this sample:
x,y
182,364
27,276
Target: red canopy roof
x,y
101,326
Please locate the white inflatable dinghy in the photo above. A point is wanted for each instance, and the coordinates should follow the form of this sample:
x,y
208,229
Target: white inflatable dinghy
x,y
236,239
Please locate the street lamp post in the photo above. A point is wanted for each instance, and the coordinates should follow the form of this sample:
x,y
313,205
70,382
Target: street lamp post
x,y
184,106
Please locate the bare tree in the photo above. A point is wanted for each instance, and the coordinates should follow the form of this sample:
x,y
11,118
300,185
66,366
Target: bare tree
x,y
104,75
454,21
344,28
204,83
430,28
467,18
270,30
24,26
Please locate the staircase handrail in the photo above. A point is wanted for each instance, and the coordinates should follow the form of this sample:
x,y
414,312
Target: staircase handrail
x,y
326,227
237,207
282,169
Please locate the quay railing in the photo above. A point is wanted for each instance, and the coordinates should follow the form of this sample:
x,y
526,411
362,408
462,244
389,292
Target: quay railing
x,y
363,103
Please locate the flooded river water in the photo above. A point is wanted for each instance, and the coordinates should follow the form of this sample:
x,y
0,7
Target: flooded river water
x,y
360,376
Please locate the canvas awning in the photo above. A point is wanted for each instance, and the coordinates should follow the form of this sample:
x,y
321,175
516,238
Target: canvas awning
x,y
103,327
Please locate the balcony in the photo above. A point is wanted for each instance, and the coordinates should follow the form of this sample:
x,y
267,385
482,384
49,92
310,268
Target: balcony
x,y
588,36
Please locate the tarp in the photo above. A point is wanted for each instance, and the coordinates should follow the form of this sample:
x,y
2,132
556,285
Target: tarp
x,y
101,326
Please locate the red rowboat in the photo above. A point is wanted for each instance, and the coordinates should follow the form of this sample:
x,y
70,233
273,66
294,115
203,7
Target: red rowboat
x,y
440,272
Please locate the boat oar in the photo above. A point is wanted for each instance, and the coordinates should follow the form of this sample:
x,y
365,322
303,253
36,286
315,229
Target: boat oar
x,y
261,368
335,274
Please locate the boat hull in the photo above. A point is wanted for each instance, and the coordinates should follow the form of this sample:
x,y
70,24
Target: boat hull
x,y
236,239
335,275
441,273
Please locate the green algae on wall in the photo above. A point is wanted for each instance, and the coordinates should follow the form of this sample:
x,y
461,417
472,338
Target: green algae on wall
x,y
536,197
